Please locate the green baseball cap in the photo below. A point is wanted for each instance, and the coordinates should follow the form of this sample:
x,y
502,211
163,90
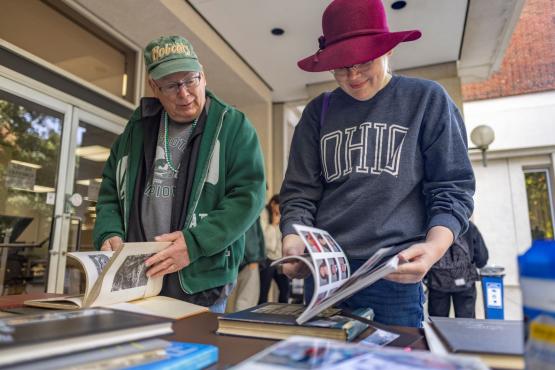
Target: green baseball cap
x,y
170,54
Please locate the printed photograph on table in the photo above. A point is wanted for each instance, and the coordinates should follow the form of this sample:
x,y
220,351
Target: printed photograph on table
x,y
313,353
333,269
323,272
309,355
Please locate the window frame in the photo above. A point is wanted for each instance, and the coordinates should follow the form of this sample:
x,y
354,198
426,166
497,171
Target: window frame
x,y
549,176
92,24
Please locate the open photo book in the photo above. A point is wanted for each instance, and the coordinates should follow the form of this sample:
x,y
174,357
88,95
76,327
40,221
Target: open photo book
x,y
333,281
118,280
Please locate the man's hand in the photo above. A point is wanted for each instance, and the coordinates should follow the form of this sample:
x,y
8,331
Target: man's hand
x,y
112,244
172,259
417,260
293,246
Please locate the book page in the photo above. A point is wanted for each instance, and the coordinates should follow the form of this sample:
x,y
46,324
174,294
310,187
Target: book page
x,y
333,281
351,287
92,263
124,278
331,264
170,308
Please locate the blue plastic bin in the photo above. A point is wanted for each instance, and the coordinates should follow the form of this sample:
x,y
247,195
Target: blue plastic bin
x,y
493,292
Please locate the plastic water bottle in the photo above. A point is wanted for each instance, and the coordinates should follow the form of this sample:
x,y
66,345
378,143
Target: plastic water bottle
x,y
537,282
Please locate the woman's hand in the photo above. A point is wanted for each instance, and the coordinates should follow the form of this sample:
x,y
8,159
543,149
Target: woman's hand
x,y
416,261
293,246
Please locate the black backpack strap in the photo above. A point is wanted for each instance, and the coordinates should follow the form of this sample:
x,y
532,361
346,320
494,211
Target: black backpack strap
x,y
325,105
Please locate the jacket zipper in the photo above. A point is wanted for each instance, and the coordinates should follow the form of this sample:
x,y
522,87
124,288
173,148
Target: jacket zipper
x,y
199,191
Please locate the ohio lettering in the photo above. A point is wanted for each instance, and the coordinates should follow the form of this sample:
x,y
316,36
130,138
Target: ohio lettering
x,y
369,148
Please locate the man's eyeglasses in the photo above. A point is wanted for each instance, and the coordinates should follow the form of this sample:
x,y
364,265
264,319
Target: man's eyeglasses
x,y
173,88
360,68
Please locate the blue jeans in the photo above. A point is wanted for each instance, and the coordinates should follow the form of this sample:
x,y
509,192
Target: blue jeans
x,y
220,304
393,303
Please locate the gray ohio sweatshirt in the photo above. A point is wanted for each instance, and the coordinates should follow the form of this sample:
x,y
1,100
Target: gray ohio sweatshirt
x,y
380,172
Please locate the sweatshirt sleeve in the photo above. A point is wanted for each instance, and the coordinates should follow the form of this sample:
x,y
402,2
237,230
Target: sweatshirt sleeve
x,y
448,176
302,187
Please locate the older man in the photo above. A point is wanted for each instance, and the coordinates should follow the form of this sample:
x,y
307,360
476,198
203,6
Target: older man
x,y
187,170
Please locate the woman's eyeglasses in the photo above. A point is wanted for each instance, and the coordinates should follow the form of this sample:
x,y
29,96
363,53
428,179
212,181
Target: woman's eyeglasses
x,y
360,68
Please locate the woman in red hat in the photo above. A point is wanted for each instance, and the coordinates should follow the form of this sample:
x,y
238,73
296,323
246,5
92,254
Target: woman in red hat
x,y
381,161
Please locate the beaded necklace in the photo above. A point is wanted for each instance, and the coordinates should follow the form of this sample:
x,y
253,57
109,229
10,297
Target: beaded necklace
x,y
166,141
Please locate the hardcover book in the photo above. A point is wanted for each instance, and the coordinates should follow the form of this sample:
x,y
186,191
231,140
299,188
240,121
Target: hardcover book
x,y
333,281
115,278
278,321
502,337
27,338
105,358
500,344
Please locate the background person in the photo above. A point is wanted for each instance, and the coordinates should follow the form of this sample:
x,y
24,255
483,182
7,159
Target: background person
x,y
454,276
381,161
247,290
272,237
155,186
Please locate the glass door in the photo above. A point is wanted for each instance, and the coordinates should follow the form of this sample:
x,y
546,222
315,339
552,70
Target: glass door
x,y
51,160
91,141
32,127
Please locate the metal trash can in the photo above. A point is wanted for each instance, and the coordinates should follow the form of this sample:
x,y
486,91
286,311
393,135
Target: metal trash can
x,y
492,291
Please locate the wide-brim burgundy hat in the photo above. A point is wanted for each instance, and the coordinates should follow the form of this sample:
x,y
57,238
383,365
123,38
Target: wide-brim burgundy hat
x,y
355,31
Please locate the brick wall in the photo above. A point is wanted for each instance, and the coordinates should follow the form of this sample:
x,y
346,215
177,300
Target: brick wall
x,y
529,62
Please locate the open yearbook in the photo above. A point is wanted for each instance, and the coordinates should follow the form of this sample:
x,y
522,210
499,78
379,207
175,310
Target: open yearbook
x,y
333,281
115,278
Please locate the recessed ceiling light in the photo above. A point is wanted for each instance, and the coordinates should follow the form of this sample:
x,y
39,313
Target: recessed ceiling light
x,y
277,31
397,5
26,164
96,153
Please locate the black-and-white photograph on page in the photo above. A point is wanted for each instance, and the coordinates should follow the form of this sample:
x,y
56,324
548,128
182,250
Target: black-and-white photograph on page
x,y
99,261
131,273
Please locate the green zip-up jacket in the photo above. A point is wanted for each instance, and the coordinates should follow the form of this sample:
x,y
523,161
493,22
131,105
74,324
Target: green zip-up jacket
x,y
226,198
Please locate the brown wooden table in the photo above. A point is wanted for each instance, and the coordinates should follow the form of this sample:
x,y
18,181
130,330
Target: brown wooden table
x,y
202,329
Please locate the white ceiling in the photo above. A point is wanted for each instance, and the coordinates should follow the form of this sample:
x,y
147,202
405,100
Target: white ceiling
x,y
246,25
484,30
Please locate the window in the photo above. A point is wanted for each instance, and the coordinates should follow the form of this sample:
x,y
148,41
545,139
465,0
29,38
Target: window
x,y
540,203
59,35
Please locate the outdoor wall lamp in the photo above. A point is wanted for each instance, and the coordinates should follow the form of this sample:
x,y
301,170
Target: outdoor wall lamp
x,y
482,136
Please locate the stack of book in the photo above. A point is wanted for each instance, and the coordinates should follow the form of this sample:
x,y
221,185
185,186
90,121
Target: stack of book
x,y
94,338
499,343
278,321
108,326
